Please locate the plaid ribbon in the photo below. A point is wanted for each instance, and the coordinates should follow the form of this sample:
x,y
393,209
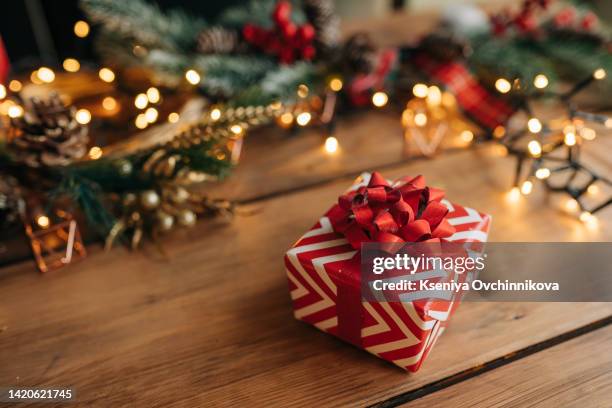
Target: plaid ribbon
x,y
483,107
4,63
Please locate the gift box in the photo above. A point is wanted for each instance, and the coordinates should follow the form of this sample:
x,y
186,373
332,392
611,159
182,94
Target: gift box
x,y
324,265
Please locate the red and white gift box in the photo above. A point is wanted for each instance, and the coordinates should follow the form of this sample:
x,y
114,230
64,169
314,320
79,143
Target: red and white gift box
x,y
323,268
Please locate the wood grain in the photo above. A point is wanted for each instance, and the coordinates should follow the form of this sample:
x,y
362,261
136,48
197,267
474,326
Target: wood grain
x,y
577,373
213,325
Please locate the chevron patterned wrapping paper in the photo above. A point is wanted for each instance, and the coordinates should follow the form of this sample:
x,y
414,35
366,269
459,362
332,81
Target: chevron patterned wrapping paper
x,y
322,265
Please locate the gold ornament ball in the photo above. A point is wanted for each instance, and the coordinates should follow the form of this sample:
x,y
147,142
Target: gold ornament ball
x,y
165,221
180,195
149,199
187,218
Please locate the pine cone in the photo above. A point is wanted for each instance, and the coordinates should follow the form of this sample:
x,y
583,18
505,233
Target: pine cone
x,y
359,53
218,40
48,134
321,14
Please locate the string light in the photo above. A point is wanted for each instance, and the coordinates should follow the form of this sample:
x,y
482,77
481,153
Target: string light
x,y
141,121
286,118
15,85
420,90
526,187
215,114
109,103
83,116
540,81
34,78
503,85
586,216
420,119
192,77
499,131
599,74
2,92
608,123
141,101
434,96
45,74
106,74
380,99
303,118
173,117
535,148
587,133
534,125
151,115
153,95
571,205
81,29
95,153
542,173
335,84
514,195
71,65
302,91
569,139
43,221
236,129
467,136
331,145
15,111
593,189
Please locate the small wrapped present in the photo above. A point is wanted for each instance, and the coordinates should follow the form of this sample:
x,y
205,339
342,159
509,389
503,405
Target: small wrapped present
x,y
324,265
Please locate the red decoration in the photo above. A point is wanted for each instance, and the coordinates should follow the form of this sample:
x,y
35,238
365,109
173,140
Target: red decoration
x,y
361,87
285,40
325,282
565,17
4,63
407,212
589,21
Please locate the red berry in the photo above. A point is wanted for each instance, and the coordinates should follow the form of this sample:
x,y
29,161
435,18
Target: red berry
x,y
306,33
308,52
249,32
288,30
525,23
589,21
286,56
565,17
282,12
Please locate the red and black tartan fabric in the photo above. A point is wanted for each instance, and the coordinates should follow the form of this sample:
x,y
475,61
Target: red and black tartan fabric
x,y
483,107
4,63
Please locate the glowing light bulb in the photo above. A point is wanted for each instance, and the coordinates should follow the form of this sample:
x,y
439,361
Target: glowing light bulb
x,y
514,195
434,96
141,121
467,136
607,123
43,221
499,131
571,205
599,73
236,129
106,74
585,216
109,103
540,81
420,90
331,144
303,118
593,189
215,114
542,173
81,29
534,125
141,101
569,139
503,85
192,77
335,84
83,116
420,119
95,153
153,95
71,65
526,187
286,118
173,117
535,148
151,115
15,111
15,85
380,99
45,74
2,92
302,91
588,133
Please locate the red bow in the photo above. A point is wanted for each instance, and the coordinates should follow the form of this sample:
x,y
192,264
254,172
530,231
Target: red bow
x,y
407,212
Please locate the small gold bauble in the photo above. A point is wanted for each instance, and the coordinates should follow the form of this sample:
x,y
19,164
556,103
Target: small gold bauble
x,y
149,199
187,218
165,221
181,195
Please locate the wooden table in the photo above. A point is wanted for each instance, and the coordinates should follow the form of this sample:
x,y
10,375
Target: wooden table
x,y
212,325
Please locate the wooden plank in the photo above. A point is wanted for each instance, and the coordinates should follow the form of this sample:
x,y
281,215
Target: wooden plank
x,y
213,325
577,373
